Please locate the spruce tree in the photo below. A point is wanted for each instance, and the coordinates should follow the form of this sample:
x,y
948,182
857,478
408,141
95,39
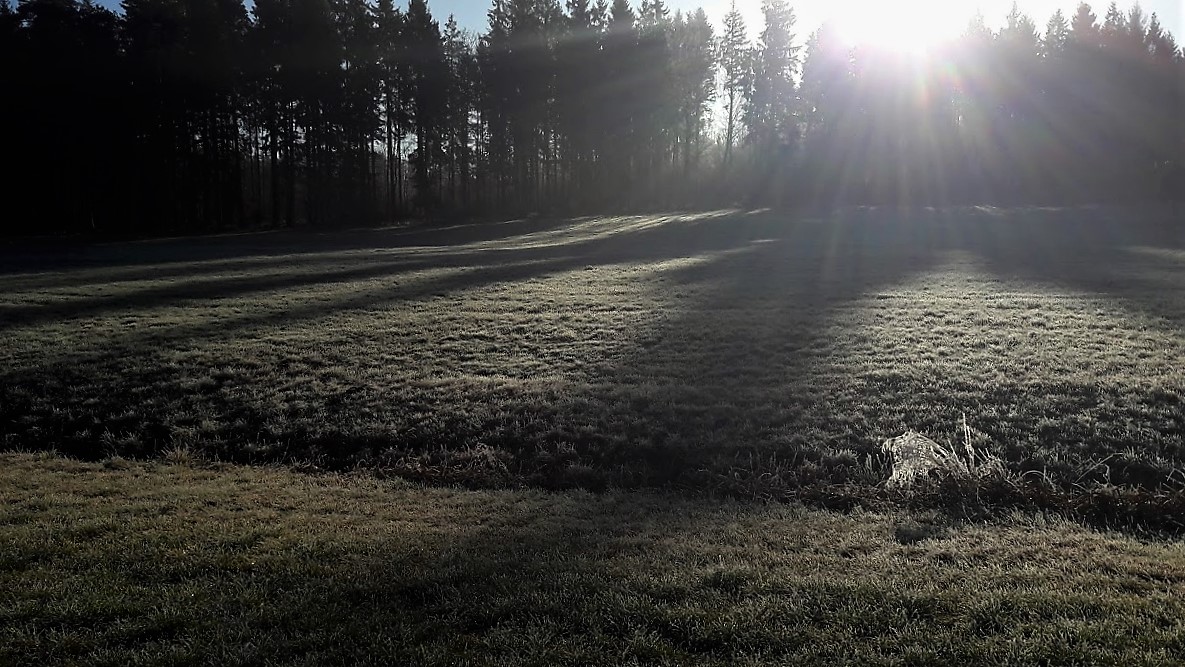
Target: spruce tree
x,y
736,63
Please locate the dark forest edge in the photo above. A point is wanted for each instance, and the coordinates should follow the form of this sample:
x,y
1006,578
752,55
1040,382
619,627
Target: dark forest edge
x,y
183,116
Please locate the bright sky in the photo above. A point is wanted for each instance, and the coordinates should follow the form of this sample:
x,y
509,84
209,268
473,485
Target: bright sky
x,y
860,18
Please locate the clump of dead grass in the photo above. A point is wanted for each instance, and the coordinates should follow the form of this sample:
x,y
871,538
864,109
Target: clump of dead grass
x,y
915,458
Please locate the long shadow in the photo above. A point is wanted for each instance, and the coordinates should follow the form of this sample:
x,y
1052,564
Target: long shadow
x,y
741,242
724,390
465,271
1111,253
735,389
199,289
39,255
742,391
696,234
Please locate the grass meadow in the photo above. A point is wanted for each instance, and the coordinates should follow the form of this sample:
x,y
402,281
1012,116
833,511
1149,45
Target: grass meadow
x,y
647,439
124,563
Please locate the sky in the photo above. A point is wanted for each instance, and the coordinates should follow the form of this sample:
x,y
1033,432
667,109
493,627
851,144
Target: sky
x,y
949,17
860,17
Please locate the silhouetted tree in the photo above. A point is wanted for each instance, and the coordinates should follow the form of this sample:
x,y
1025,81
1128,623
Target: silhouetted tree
x,y
1084,28
581,93
693,79
620,104
195,115
62,64
736,62
771,114
1057,34
461,62
428,92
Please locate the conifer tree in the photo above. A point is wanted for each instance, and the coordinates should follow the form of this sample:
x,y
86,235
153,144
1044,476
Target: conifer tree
x,y
736,63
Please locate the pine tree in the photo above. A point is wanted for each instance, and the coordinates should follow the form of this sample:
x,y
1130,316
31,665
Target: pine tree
x,y
770,112
825,74
580,96
65,98
694,70
1019,34
1137,30
1162,45
977,31
358,115
395,92
428,98
461,63
1114,27
212,52
771,115
153,40
1084,28
316,85
736,63
496,86
10,74
1057,34
654,94
621,110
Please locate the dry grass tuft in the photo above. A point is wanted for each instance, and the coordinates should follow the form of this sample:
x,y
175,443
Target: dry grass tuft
x,y
916,458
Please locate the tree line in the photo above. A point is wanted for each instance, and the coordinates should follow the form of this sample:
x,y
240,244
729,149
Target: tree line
x,y
199,115
1081,111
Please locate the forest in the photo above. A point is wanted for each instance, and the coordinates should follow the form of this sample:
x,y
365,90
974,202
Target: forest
x,y
193,116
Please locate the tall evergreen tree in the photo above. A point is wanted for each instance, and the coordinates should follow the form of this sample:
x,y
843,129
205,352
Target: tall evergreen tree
x,y
736,63
1137,29
1084,27
1057,34
428,73
826,75
461,63
395,85
1114,27
1161,43
771,111
693,79
654,94
581,96
621,108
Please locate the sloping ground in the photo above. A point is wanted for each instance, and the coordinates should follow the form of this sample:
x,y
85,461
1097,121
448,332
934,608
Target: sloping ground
x,y
131,563
758,354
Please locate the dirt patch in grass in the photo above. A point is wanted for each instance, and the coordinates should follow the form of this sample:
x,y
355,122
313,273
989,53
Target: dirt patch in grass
x,y
756,354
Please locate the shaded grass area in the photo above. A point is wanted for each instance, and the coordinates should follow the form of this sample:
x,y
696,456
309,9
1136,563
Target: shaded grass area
x,y
142,563
758,354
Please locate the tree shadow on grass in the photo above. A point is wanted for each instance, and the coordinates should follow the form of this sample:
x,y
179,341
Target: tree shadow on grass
x,y
1131,256
737,388
637,238
728,391
755,388
615,427
136,260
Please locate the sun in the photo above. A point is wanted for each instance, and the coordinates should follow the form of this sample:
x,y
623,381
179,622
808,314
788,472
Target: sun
x,y
904,25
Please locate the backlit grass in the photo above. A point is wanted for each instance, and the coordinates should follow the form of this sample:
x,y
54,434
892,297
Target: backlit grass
x,y
758,354
152,563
